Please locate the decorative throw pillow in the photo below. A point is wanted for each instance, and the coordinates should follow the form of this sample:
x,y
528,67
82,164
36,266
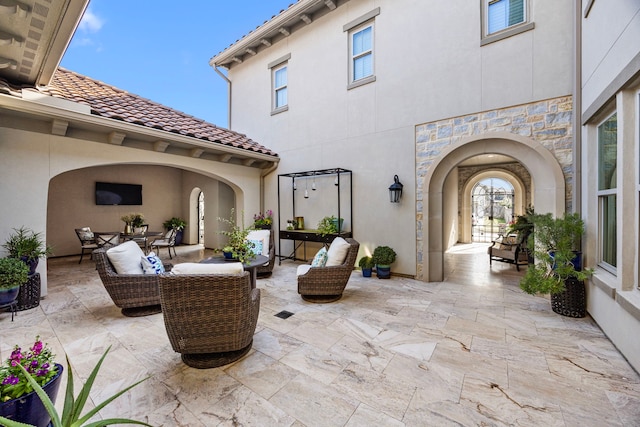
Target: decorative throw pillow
x,y
126,258
263,236
86,235
151,264
337,251
257,246
204,268
320,260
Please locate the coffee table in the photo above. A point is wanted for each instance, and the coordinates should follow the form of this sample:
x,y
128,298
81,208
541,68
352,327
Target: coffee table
x,y
249,266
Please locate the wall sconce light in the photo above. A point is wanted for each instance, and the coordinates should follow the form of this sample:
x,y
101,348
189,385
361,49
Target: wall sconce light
x,y
395,190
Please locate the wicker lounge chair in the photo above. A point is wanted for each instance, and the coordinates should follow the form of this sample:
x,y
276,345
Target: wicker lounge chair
x,y
326,284
136,294
210,318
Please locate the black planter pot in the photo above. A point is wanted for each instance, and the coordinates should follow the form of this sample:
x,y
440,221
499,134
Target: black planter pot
x,y
573,301
179,235
383,271
29,409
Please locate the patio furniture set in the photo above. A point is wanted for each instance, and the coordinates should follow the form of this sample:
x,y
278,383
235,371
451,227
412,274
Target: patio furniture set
x,y
210,308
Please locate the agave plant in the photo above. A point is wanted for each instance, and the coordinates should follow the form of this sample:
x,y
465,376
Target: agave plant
x,y
72,408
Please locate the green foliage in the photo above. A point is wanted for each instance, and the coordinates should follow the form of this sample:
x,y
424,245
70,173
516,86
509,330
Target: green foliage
x,y
72,408
242,249
38,361
134,219
554,242
175,223
522,225
24,242
384,255
328,225
13,272
366,262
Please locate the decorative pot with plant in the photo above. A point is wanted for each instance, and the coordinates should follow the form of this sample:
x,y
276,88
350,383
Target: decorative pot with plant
x,y
13,273
522,226
383,257
27,246
328,225
178,224
241,248
29,385
263,220
366,264
556,244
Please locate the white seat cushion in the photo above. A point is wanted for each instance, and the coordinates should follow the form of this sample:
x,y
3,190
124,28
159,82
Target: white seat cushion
x,y
203,268
337,252
263,236
303,269
126,258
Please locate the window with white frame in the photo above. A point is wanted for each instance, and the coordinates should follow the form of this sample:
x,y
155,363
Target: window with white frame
x,y
280,87
362,49
607,191
362,53
279,84
504,18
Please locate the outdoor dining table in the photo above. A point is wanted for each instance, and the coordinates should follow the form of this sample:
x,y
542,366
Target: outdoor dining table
x,y
146,235
249,266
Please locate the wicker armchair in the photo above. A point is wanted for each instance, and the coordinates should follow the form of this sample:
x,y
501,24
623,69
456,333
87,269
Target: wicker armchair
x,y
211,318
136,294
326,284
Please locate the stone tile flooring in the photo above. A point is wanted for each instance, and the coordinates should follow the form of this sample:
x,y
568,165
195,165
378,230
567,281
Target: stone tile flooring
x,y
473,350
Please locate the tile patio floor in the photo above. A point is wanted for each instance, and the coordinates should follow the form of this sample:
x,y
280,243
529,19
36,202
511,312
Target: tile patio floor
x,y
471,351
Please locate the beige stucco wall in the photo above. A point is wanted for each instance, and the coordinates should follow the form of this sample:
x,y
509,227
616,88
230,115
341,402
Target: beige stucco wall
x,y
429,65
611,82
48,185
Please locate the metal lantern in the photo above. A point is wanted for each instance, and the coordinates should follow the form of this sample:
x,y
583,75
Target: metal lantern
x,y
395,190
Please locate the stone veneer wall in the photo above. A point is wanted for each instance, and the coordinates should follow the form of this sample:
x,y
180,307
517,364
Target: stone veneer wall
x,y
548,121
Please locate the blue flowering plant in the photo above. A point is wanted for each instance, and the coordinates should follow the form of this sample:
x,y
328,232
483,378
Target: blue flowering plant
x,y
37,361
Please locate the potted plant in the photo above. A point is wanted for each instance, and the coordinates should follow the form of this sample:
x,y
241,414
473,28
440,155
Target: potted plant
x,y
241,248
366,264
227,251
327,225
178,224
29,383
383,257
13,273
522,226
27,246
556,243
263,220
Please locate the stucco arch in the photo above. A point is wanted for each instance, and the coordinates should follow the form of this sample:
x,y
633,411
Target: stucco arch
x,y
546,176
510,177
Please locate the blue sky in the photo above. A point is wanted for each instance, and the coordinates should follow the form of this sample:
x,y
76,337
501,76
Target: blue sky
x,y
160,49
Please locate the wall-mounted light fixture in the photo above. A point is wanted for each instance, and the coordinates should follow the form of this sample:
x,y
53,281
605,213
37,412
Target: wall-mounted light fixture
x,y
395,190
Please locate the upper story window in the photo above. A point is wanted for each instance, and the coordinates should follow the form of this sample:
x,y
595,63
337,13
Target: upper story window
x,y
280,84
361,49
502,14
504,18
362,53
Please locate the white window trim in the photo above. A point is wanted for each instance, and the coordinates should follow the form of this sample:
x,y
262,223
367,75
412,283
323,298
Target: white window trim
x,y
351,28
274,66
527,25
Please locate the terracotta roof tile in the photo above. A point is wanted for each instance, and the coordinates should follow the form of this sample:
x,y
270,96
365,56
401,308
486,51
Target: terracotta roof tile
x,y
111,102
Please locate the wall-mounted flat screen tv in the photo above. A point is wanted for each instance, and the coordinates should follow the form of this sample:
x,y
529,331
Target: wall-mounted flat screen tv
x,y
108,193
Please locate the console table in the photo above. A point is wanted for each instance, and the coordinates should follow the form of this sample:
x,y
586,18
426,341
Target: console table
x,y
301,237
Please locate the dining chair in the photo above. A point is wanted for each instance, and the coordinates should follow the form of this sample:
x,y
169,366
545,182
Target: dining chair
x,y
108,239
87,241
167,241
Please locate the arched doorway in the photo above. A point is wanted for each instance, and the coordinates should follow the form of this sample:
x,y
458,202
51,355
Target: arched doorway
x,y
491,208
201,218
547,189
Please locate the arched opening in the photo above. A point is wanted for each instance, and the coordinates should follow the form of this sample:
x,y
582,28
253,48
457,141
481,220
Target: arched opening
x,y
547,189
201,218
491,208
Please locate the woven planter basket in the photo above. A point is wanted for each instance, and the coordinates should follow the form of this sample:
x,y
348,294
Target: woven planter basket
x,y
573,301
29,296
